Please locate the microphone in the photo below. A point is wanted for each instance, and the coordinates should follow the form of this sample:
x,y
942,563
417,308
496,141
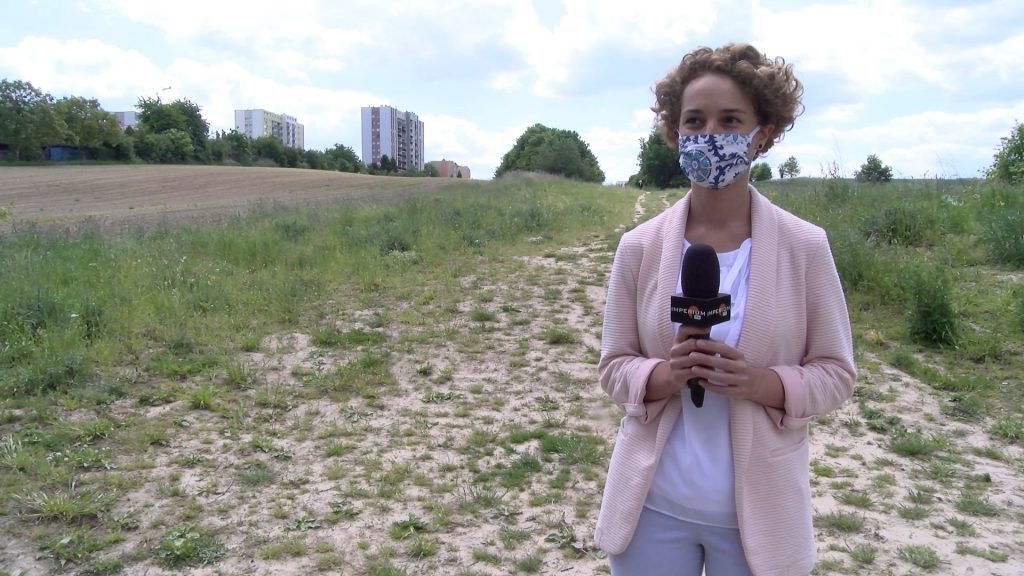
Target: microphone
x,y
700,305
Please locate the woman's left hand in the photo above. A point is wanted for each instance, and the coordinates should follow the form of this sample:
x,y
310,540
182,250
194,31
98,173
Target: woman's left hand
x,y
723,370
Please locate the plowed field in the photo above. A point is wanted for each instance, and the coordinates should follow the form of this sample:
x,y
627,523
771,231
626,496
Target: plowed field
x,y
114,196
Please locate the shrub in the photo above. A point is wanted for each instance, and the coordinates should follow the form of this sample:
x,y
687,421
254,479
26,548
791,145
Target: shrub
x,y
904,225
873,171
760,172
932,319
1008,162
1003,232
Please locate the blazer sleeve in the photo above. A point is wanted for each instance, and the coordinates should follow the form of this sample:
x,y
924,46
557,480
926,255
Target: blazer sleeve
x,y
624,366
825,377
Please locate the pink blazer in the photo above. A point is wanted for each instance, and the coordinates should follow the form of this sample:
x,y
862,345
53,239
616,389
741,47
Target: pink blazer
x,y
796,324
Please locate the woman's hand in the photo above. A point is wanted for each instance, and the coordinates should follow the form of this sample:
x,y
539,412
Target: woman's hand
x,y
723,370
672,375
719,368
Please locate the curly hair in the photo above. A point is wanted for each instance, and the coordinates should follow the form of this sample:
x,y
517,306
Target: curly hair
x,y
770,85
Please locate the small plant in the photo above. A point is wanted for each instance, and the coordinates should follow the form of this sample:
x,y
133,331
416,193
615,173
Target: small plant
x,y
864,554
841,521
65,505
976,505
303,524
991,554
423,547
912,444
919,555
187,546
409,527
912,512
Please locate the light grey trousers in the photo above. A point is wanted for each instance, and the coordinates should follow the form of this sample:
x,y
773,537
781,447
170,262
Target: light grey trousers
x,y
667,546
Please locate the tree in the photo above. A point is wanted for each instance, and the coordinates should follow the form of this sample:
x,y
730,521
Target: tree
x,y
157,118
1008,162
789,168
269,148
27,119
760,172
554,151
345,159
659,164
89,127
873,171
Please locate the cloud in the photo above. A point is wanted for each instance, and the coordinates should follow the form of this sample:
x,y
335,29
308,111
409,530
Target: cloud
x,y
466,143
87,68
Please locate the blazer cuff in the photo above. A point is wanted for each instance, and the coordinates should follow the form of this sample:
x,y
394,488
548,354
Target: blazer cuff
x,y
793,416
636,407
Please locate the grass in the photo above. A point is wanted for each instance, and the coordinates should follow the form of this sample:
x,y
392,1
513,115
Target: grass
x,y
421,373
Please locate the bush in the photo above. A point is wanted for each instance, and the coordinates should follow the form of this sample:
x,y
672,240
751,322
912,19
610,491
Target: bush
x,y
873,171
760,172
932,319
1003,232
901,224
1008,163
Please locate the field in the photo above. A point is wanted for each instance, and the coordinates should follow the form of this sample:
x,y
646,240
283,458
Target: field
x,y
385,376
119,196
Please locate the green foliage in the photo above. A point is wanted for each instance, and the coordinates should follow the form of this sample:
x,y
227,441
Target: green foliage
x,y
182,116
932,320
552,151
659,164
187,545
1008,163
790,168
900,224
873,171
1003,233
27,119
95,131
760,172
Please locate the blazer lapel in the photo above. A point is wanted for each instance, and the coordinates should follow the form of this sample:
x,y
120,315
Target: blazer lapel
x,y
668,273
756,334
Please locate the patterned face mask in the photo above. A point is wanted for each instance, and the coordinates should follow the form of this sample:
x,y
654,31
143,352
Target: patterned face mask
x,y
715,160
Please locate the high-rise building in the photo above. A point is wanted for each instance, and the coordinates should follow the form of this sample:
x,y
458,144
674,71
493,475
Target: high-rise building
x,y
391,132
127,119
256,123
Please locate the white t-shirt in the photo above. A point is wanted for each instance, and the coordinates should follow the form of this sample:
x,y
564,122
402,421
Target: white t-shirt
x,y
694,480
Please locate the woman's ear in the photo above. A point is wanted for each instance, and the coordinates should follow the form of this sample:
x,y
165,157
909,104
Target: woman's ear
x,y
765,134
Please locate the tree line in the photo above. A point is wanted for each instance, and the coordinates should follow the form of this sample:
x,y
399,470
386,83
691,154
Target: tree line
x,y
31,121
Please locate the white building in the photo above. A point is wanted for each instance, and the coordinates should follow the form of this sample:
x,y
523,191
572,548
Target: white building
x,y
391,132
127,119
256,123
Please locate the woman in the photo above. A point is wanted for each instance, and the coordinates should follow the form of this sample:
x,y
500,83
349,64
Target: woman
x,y
723,487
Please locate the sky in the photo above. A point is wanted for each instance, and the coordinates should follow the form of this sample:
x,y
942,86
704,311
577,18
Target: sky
x,y
929,86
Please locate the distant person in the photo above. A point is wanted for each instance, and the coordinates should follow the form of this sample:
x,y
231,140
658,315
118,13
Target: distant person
x,y
722,488
640,183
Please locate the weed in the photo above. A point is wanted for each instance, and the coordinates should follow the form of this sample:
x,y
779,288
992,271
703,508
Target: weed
x,y
976,505
842,521
922,556
187,545
991,554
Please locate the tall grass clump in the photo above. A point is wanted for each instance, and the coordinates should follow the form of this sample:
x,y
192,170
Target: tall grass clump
x,y
932,320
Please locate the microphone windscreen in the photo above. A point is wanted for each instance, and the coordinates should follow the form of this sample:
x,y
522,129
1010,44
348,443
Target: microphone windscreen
x,y
700,274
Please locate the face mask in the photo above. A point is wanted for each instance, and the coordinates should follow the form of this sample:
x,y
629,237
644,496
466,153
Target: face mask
x,y
715,160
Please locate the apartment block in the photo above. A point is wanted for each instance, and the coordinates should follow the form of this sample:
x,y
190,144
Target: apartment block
x,y
127,119
391,132
256,123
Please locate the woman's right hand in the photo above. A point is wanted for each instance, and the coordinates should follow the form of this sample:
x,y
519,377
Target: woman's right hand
x,y
671,376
